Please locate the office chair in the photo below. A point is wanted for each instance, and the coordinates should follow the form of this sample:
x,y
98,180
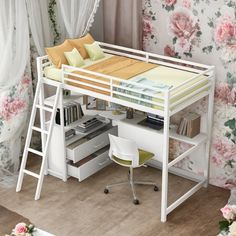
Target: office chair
x,y
125,153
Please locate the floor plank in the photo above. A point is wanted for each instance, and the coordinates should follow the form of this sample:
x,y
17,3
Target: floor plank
x,y
74,208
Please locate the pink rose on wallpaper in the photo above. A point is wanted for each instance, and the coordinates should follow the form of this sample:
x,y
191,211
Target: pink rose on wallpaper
x,y
10,108
225,31
186,3
168,51
226,150
217,160
228,52
225,93
147,26
169,2
183,45
182,24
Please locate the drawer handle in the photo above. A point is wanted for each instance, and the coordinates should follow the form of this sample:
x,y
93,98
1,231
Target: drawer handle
x,y
104,162
96,146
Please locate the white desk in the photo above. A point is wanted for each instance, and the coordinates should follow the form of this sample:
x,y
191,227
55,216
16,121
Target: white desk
x,y
146,138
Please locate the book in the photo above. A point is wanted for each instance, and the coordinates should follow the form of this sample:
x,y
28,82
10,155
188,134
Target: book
x,y
189,125
72,112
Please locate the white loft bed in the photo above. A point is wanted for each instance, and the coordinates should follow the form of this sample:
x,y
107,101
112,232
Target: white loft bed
x,y
164,102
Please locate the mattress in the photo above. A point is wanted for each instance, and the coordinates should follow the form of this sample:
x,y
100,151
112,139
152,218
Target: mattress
x,y
152,75
161,77
123,68
54,73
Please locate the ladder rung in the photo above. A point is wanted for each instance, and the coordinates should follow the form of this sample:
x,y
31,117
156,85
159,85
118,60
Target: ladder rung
x,y
35,151
45,108
39,130
31,173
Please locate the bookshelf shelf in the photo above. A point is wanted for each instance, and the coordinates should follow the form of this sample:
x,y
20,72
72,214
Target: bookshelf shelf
x,y
197,140
49,101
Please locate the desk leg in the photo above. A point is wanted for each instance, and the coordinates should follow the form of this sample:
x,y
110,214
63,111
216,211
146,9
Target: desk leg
x,y
165,158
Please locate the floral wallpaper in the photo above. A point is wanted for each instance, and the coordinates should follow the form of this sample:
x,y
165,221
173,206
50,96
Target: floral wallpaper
x,y
202,31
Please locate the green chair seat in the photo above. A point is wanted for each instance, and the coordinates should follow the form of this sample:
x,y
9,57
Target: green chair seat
x,y
144,156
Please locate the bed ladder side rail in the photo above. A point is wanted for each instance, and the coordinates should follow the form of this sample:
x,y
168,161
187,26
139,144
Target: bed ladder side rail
x,y
45,137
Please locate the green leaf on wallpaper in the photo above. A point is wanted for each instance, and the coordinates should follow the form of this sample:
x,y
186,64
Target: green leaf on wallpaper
x,y
199,33
227,134
174,40
207,49
195,12
153,18
210,23
231,78
218,14
231,123
152,36
150,12
169,8
196,2
188,54
234,132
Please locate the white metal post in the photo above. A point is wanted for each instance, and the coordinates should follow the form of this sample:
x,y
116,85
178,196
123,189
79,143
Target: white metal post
x,y
61,107
209,126
165,159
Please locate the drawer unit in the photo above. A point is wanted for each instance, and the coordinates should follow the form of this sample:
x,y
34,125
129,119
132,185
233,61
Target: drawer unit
x,y
89,165
90,143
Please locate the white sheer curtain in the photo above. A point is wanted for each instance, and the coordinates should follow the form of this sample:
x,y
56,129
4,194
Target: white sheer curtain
x,y
39,24
14,41
77,15
14,48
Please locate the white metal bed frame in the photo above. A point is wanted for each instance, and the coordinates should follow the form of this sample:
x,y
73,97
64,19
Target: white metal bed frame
x,y
167,108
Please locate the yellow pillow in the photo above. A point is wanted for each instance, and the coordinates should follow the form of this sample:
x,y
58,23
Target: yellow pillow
x,y
56,54
74,58
94,51
79,44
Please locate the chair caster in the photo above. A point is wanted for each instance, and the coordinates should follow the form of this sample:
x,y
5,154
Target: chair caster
x,y
136,202
106,191
156,188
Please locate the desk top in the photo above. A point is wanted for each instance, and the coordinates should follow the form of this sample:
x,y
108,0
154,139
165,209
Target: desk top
x,y
137,118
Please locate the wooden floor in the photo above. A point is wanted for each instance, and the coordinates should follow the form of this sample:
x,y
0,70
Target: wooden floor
x,y
82,209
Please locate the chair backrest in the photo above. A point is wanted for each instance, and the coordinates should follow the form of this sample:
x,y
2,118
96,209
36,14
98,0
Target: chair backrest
x,y
124,149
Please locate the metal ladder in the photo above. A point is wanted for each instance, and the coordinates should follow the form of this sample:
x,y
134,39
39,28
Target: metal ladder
x,y
45,137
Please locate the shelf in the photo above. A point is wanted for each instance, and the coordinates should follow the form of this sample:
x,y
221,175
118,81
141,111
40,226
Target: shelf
x,y
80,135
197,140
49,101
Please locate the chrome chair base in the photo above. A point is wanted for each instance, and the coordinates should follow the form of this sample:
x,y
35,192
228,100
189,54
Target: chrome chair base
x,y
132,184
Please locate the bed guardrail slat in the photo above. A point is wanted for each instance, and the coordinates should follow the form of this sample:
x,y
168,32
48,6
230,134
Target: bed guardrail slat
x,y
139,99
88,85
